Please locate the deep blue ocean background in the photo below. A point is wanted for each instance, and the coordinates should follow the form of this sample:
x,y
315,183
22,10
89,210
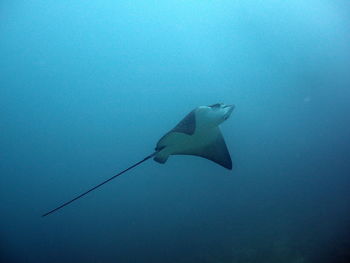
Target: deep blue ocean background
x,y
88,87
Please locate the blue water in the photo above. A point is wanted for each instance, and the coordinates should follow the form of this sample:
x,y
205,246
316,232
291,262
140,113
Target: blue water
x,y
88,87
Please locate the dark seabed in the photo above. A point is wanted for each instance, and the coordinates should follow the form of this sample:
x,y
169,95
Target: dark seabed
x,y
88,87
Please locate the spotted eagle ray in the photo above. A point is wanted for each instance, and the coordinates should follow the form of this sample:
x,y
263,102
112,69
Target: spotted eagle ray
x,y
197,134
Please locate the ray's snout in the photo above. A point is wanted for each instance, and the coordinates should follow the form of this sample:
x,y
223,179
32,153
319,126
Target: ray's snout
x,y
229,109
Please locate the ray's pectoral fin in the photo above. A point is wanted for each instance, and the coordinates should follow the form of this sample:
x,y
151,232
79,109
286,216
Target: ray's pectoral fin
x,y
216,151
187,125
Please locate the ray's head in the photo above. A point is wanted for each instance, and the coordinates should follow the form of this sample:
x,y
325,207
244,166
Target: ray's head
x,y
216,114
221,111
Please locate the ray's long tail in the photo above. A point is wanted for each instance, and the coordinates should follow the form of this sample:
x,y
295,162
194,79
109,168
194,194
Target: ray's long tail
x,y
97,186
